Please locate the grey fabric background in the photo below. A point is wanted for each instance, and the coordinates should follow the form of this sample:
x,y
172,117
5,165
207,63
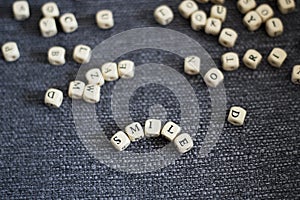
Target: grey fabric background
x,y
41,157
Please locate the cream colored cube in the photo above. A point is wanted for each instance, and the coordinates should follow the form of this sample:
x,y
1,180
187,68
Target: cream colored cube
x,y
126,69
50,9
91,93
94,76
286,6
170,130
252,58
198,20
252,21
237,116
152,128
56,55
135,131
105,19
218,12
82,54
265,12
245,6
218,1
213,26
53,98
192,65
163,15
10,51
274,27
213,78
277,57
76,89
228,37
296,74
187,8
110,71
120,141
68,22
230,61
183,143
21,10
48,27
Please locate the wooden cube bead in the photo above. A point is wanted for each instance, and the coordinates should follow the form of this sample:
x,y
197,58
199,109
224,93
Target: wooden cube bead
x,y
198,20
105,19
183,143
50,9
277,57
187,8
252,58
76,89
82,54
274,27
48,27
94,76
296,74
265,12
163,15
245,6
228,37
21,10
126,69
110,71
56,55
120,141
218,12
192,65
252,21
218,1
91,93
10,51
286,6
53,98
135,131
170,131
213,26
230,61
213,77
152,128
68,22
237,116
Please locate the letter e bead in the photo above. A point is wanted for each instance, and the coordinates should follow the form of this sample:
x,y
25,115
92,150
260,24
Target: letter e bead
x,y
183,143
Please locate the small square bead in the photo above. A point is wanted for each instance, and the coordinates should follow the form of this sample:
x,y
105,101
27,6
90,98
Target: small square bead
x,y
218,12
21,10
170,130
94,76
277,57
198,20
91,93
135,131
213,77
237,116
183,143
56,55
252,58
126,69
213,26
252,21
76,89
50,9
68,23
48,27
163,15
286,6
245,6
110,71
187,8
152,128
192,65
228,37
105,19
230,61
10,51
274,27
120,141
53,98
296,74
265,12
82,54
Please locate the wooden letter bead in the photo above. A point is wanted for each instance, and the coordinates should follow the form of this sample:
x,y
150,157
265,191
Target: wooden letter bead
x,y
228,37
152,128
82,54
21,10
134,131
48,27
296,74
126,69
252,21
218,1
265,12
286,6
76,89
230,61
198,20
213,26
68,22
120,141
94,76
192,65
277,57
163,15
213,77
50,9
170,131
187,8
10,51
252,58
105,19
56,55
91,93
183,143
274,27
53,98
245,6
237,116
110,71
218,12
